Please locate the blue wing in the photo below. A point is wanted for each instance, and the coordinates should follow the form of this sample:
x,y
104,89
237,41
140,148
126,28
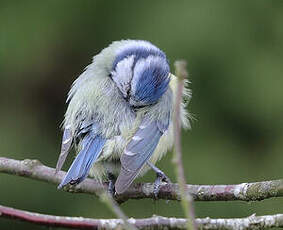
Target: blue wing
x,y
138,151
92,144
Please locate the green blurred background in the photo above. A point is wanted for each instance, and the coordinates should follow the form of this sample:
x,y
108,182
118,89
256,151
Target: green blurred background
x,y
234,51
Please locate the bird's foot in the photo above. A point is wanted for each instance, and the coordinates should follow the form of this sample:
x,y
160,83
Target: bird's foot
x,y
160,177
111,184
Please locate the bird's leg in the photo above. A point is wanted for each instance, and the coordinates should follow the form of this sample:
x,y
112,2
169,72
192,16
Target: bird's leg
x,y
160,177
111,184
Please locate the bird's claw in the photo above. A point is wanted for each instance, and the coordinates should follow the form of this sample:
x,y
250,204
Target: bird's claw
x,y
111,188
160,177
111,185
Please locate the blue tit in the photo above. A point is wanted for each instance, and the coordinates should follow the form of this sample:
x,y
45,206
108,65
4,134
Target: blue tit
x,y
120,115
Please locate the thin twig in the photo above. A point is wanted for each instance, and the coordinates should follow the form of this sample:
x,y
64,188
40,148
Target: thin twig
x,y
255,191
187,200
155,222
108,200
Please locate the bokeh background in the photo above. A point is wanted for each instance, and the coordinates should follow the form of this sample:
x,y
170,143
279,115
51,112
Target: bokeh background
x,y
234,51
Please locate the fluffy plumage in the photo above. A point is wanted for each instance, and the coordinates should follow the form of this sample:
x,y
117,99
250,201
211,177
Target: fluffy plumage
x,y
120,114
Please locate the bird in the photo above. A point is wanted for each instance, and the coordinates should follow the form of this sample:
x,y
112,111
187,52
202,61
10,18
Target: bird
x,y
119,117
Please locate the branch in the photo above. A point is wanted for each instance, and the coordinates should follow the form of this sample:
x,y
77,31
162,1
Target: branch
x,y
111,203
155,222
246,191
186,198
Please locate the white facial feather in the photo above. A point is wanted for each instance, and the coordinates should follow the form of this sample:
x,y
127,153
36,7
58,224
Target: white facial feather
x,y
123,74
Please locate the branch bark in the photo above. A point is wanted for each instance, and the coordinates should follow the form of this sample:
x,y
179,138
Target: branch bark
x,y
111,203
255,191
155,222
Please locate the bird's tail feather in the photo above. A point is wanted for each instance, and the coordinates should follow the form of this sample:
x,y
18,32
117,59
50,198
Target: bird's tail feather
x,y
91,149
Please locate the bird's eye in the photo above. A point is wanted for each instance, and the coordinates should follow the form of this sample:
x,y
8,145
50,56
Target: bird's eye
x,y
136,108
110,75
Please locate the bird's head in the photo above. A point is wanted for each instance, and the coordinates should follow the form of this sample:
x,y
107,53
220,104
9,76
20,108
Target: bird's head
x,y
141,72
